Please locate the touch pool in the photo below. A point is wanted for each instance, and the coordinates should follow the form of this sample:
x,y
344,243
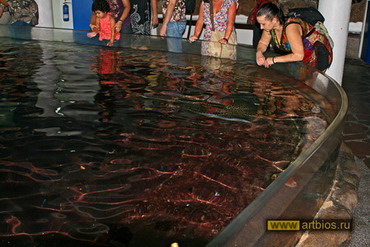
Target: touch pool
x,y
123,147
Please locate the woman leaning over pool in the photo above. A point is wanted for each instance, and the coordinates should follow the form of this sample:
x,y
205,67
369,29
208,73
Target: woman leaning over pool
x,y
291,39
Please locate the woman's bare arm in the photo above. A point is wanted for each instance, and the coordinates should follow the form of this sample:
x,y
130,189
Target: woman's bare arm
x,y
154,10
231,14
125,14
113,30
294,35
167,17
198,25
262,46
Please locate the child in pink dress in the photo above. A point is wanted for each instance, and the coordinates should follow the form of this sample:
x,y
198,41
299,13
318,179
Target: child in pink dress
x,y
105,21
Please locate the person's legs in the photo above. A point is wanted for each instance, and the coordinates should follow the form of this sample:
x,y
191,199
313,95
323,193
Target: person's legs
x,y
175,30
140,16
181,25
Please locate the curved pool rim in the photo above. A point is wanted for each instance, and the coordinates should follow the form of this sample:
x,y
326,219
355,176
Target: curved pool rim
x,y
278,199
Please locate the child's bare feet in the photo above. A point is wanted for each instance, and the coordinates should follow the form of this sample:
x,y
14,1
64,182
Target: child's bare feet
x,y
91,34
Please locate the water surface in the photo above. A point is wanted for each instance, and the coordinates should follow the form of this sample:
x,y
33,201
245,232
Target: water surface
x,y
118,147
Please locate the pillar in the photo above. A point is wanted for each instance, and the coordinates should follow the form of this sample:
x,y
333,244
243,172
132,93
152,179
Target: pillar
x,y
337,14
364,42
45,13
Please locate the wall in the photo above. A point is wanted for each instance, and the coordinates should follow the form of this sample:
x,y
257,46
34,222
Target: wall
x,y
81,14
45,13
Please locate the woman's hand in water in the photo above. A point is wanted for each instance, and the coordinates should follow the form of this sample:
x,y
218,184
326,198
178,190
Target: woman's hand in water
x,y
260,58
268,62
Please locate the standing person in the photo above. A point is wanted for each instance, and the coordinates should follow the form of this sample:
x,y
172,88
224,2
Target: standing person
x,y
143,14
294,38
105,23
174,18
120,10
174,23
22,12
224,14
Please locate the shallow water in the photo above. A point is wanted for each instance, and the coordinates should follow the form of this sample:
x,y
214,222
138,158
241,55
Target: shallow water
x,y
109,147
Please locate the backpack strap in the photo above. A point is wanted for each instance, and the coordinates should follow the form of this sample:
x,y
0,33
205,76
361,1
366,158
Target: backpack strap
x,y
309,33
292,22
296,22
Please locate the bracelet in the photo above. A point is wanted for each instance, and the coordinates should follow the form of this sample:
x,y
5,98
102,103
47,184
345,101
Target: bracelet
x,y
273,60
120,20
227,40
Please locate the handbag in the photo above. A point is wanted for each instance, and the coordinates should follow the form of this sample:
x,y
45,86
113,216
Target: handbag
x,y
215,48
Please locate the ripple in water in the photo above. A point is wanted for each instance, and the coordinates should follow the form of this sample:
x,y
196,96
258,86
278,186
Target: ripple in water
x,y
108,147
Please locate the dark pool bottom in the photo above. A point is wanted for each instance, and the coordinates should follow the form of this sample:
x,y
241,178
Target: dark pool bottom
x,y
112,147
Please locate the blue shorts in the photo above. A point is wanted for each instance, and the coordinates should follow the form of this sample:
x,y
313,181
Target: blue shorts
x,y
176,29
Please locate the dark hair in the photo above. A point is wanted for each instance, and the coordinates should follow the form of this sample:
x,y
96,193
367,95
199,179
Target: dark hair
x,y
270,11
101,5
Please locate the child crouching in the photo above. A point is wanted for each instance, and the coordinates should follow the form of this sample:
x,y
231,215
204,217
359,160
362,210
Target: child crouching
x,y
104,23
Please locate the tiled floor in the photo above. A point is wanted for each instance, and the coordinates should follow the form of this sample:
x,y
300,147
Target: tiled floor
x,y
356,83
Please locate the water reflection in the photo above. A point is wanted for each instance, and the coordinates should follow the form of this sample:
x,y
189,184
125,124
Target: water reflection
x,y
139,148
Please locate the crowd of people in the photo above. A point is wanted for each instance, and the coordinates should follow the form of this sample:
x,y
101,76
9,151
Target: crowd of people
x,y
291,38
